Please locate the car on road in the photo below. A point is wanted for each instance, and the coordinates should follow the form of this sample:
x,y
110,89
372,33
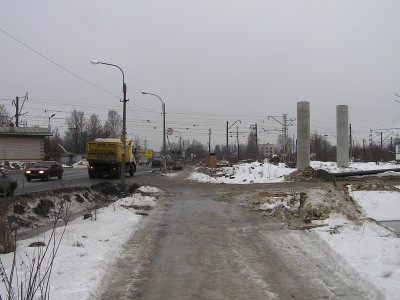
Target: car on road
x,y
7,184
177,164
143,161
156,162
45,170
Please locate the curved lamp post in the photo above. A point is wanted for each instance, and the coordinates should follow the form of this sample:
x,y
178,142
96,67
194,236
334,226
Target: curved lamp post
x,y
164,143
123,136
49,121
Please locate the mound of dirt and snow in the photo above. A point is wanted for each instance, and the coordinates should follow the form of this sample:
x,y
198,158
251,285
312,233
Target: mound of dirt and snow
x,y
37,209
299,209
310,174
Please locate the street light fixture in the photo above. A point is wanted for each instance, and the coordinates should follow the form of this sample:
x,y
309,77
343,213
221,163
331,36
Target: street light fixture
x,y
49,120
123,135
164,133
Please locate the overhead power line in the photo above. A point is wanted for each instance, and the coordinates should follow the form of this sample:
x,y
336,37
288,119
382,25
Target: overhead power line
x,y
58,65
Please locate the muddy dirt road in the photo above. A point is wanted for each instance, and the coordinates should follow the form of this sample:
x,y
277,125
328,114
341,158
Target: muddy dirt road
x,y
200,243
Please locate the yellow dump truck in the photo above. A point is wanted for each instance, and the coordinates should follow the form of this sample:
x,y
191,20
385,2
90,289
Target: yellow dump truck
x,y
105,158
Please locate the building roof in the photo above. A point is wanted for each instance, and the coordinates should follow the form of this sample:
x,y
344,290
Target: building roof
x,y
25,131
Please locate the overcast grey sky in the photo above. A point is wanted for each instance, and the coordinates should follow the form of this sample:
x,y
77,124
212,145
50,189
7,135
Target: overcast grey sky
x,y
211,61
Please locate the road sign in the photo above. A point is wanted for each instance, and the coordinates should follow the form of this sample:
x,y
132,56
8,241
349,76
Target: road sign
x,y
169,131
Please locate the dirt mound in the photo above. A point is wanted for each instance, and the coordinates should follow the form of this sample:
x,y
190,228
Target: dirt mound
x,y
375,185
310,174
299,209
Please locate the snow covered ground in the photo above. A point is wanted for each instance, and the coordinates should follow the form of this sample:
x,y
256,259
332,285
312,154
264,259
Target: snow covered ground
x,y
89,247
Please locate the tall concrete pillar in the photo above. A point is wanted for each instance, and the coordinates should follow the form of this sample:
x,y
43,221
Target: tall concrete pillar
x,y
342,134
303,134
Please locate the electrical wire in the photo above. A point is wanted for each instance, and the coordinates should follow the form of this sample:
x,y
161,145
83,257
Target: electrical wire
x,y
58,65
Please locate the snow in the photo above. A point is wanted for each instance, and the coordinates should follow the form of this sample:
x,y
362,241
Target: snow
x,y
89,246
83,163
256,172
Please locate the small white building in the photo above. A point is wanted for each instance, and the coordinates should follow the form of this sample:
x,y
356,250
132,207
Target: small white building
x,y
22,143
265,151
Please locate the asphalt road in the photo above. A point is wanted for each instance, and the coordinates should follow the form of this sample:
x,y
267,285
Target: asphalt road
x,y
72,177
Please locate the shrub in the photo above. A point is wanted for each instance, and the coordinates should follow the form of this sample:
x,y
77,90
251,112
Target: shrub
x,y
44,207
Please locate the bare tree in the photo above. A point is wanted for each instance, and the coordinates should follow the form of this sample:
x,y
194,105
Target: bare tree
x,y
93,128
198,149
75,136
5,118
321,148
113,125
251,150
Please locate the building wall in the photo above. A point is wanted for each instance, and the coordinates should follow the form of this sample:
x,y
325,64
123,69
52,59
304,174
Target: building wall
x,y
265,151
21,148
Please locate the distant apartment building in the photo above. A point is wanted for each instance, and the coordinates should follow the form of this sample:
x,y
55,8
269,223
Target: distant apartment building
x,y
265,151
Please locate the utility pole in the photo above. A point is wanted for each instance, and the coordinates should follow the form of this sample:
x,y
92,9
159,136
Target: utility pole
x,y
254,127
285,124
17,109
227,146
227,133
209,141
351,144
370,137
237,138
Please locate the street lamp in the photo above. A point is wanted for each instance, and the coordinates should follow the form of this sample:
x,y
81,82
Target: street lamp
x,y
48,139
49,120
123,136
164,143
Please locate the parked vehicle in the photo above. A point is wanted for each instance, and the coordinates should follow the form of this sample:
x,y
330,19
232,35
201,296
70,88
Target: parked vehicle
x,y
177,164
105,158
44,170
144,161
156,162
7,184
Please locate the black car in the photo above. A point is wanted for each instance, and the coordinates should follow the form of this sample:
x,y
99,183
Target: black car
x,y
44,170
156,162
7,184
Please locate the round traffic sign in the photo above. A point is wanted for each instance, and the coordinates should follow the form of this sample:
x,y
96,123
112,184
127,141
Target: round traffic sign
x,y
170,131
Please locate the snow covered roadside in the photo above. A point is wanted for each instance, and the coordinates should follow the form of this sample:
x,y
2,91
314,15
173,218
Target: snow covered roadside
x,y
87,248
256,172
